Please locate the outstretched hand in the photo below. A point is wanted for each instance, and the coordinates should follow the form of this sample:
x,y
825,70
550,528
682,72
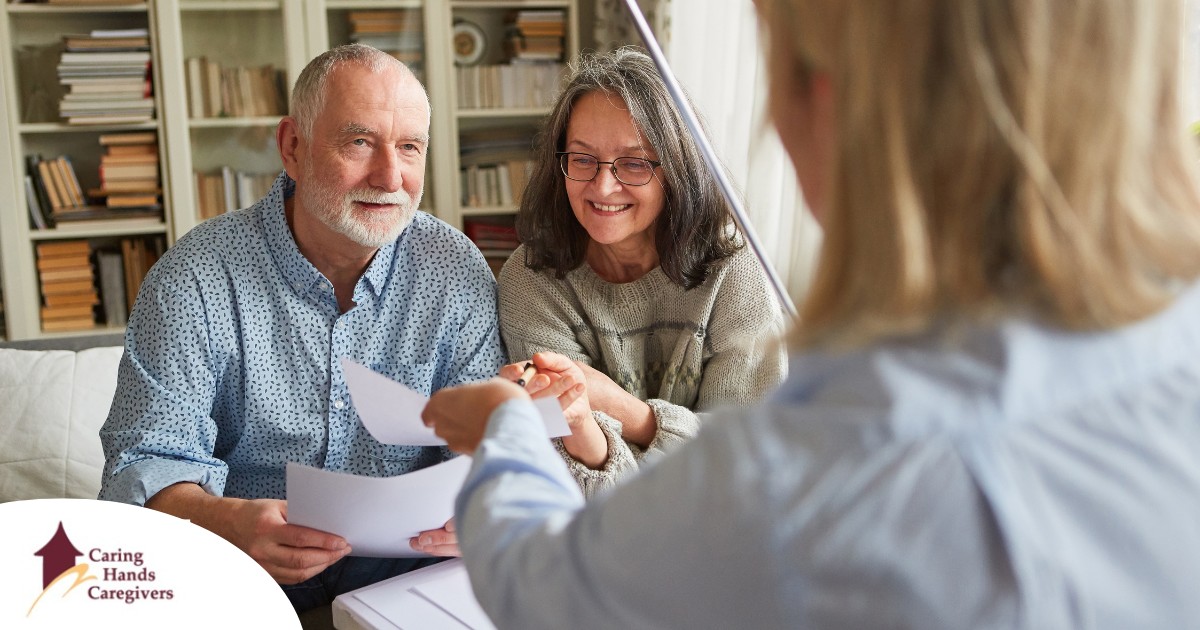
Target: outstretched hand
x,y
459,414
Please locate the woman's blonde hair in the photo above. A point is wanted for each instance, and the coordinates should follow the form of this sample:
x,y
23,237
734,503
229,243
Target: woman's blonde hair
x,y
1028,155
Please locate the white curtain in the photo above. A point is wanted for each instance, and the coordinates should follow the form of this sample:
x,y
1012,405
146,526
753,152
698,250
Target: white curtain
x,y
714,51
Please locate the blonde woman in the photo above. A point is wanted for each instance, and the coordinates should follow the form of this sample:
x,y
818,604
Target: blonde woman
x,y
993,410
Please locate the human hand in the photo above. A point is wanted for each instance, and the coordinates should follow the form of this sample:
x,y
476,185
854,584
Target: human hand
x,y
638,424
437,542
559,377
459,414
289,553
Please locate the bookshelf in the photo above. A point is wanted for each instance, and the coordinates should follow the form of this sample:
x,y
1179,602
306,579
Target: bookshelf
x,y
201,134
41,77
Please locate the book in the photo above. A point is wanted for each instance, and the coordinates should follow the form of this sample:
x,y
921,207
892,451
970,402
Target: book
x,y
139,137
112,287
39,188
62,262
132,201
72,180
145,185
56,202
62,248
111,172
62,184
67,299
96,213
130,158
80,323
36,219
68,311
109,119
70,286
67,273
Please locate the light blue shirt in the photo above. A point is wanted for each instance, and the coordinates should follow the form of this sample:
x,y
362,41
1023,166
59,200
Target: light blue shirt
x,y
231,366
1007,476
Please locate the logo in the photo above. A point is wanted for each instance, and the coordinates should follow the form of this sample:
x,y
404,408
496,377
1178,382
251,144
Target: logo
x,y
87,563
124,576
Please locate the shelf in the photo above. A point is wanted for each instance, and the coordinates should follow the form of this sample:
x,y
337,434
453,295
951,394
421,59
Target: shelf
x,y
230,5
17,9
51,128
94,231
511,4
374,4
222,123
504,112
486,211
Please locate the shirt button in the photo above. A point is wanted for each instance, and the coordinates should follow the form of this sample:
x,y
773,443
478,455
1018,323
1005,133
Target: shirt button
x,y
340,324
337,404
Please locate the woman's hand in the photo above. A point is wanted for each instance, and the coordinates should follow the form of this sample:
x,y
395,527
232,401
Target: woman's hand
x,y
560,377
638,424
459,414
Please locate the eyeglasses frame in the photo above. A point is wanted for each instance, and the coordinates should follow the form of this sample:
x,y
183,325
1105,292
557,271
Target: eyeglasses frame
x,y
612,167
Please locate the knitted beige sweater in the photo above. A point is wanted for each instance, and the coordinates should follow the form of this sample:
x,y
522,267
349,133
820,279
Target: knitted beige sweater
x,y
678,350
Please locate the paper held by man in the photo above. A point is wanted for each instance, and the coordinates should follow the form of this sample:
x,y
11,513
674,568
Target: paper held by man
x,y
378,515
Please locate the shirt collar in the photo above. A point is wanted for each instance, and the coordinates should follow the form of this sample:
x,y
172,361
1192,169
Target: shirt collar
x,y
296,269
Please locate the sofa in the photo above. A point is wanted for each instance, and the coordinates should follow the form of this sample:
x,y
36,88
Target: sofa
x,y
52,403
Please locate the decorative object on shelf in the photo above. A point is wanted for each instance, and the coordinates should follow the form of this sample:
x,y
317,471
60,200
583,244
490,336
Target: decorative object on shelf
x,y
469,43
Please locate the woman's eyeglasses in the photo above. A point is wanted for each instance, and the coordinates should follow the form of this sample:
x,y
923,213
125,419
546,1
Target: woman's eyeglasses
x,y
631,171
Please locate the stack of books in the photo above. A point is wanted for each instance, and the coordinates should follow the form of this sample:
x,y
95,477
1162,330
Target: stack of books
x,y
52,190
227,190
129,176
137,256
496,185
215,91
397,33
105,76
496,237
68,285
495,167
512,85
537,35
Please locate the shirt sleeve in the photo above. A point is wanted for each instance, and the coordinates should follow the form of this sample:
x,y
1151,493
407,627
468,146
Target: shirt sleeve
x,y
539,557
159,429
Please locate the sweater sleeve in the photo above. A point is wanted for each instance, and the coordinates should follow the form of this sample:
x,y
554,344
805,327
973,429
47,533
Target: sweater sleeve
x,y
747,357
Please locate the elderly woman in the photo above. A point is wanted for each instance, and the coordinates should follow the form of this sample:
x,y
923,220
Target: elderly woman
x,y
630,269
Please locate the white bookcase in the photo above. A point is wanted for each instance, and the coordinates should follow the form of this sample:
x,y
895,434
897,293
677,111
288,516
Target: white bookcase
x,y
247,33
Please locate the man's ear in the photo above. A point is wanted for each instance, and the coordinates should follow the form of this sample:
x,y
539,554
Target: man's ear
x,y
287,138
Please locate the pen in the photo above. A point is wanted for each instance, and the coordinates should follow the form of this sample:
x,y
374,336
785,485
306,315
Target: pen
x,y
530,370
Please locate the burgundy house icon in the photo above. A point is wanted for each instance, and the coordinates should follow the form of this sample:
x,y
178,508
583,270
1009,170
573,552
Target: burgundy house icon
x,y
57,556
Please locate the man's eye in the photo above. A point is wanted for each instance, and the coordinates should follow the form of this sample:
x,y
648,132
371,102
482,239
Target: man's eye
x,y
359,142
410,147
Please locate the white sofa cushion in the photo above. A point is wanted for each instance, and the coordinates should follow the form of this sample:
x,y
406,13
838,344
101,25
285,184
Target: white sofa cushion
x,y
53,403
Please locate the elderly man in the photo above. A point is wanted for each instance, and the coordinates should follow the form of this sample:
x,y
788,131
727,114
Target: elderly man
x,y
231,365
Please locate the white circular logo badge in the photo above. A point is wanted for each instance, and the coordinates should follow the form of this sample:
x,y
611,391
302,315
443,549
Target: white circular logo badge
x,y
97,564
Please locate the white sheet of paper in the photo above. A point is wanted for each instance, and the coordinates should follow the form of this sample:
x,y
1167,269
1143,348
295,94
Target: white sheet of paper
x,y
439,596
391,412
376,515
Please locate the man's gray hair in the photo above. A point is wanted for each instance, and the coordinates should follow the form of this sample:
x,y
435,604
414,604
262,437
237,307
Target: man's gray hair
x,y
308,95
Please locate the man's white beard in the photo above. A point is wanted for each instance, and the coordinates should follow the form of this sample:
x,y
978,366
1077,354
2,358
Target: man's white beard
x,y
336,211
